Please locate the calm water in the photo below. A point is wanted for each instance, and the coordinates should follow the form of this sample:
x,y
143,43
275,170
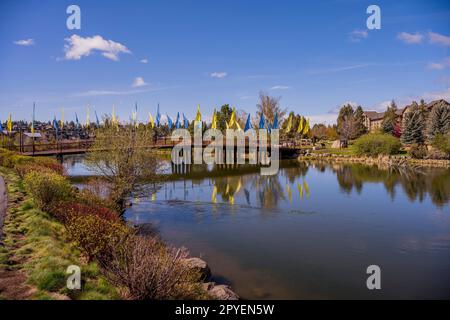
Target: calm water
x,y
312,230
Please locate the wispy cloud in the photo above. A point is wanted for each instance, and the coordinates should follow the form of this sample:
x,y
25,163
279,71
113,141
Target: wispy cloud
x,y
139,82
440,39
358,35
92,93
218,75
78,47
410,38
340,69
25,42
145,61
439,65
280,87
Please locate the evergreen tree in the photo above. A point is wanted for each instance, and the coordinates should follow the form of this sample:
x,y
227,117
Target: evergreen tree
x,y
346,124
390,119
413,125
359,120
439,120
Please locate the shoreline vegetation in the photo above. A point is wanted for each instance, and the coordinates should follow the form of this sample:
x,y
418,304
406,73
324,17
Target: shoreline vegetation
x,y
51,225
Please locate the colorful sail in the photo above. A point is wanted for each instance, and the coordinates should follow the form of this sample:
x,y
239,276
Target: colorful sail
x,y
88,117
275,122
96,119
248,124
289,124
158,117
61,122
262,122
300,126
214,120
169,122
198,117
9,123
185,122
151,121
177,122
306,128
78,122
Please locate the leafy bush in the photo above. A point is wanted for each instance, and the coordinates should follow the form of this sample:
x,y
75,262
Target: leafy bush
x,y
49,163
377,144
150,270
23,169
93,234
418,152
64,211
442,143
46,187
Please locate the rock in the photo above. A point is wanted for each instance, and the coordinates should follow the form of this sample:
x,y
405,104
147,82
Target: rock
x,y
199,265
220,291
336,144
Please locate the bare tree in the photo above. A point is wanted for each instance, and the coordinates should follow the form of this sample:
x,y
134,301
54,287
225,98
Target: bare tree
x,y
269,106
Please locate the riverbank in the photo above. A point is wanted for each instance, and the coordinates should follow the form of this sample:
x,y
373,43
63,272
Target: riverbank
x,y
384,160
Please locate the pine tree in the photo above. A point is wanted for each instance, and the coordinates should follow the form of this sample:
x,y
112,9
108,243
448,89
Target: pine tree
x,y
359,119
413,125
439,120
390,119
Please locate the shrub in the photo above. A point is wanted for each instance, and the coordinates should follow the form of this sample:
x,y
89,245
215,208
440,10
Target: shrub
x,y
377,144
49,163
93,234
86,197
23,169
418,152
66,210
150,270
46,187
442,143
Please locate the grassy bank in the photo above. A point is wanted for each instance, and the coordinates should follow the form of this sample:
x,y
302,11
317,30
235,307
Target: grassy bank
x,y
37,251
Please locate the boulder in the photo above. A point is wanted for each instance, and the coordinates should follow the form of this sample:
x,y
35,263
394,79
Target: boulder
x,y
336,144
220,291
200,266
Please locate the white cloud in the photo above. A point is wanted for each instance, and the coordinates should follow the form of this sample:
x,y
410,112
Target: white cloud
x,y
280,87
410,38
437,38
436,95
439,65
24,42
78,47
145,61
218,75
358,35
339,69
327,118
139,82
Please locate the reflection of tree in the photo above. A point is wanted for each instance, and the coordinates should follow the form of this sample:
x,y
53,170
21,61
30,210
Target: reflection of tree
x,y
269,191
415,183
292,173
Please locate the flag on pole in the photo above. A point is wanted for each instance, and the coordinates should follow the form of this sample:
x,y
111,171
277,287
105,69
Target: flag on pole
x,y
151,121
61,122
32,120
177,123
76,120
214,120
158,117
289,124
248,124
198,117
169,122
55,125
275,122
232,119
262,122
300,126
9,124
185,122
96,119
306,128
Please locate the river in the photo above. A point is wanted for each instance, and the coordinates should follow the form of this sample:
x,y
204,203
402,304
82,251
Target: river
x,y
309,232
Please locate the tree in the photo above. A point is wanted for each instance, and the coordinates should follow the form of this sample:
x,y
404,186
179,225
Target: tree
x,y
413,125
346,123
269,106
359,119
121,157
439,120
223,116
389,122
319,131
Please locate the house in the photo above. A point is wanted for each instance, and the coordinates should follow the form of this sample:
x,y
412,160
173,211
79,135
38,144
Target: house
x,y
373,119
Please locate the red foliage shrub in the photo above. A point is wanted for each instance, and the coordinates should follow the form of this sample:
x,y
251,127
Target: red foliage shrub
x,y
66,210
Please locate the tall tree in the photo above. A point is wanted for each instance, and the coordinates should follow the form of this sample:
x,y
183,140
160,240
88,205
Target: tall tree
x,y
439,120
223,116
413,125
359,121
346,123
390,119
269,106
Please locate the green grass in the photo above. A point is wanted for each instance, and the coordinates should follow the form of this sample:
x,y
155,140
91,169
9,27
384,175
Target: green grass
x,y
39,244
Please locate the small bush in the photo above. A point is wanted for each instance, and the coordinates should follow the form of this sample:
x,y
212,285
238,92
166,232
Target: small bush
x,y
377,144
46,187
418,152
150,270
442,143
64,211
23,169
92,234
86,197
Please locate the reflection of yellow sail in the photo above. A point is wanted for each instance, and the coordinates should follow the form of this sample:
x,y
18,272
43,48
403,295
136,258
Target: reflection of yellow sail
x,y
300,190
231,200
153,196
227,189
306,187
238,186
214,195
136,200
289,192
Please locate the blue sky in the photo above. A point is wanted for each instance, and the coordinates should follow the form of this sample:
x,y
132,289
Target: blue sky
x,y
316,55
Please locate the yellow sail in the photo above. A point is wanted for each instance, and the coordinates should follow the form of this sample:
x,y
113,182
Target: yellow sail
x,y
9,123
300,126
214,120
198,117
88,117
289,124
306,129
62,118
151,121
